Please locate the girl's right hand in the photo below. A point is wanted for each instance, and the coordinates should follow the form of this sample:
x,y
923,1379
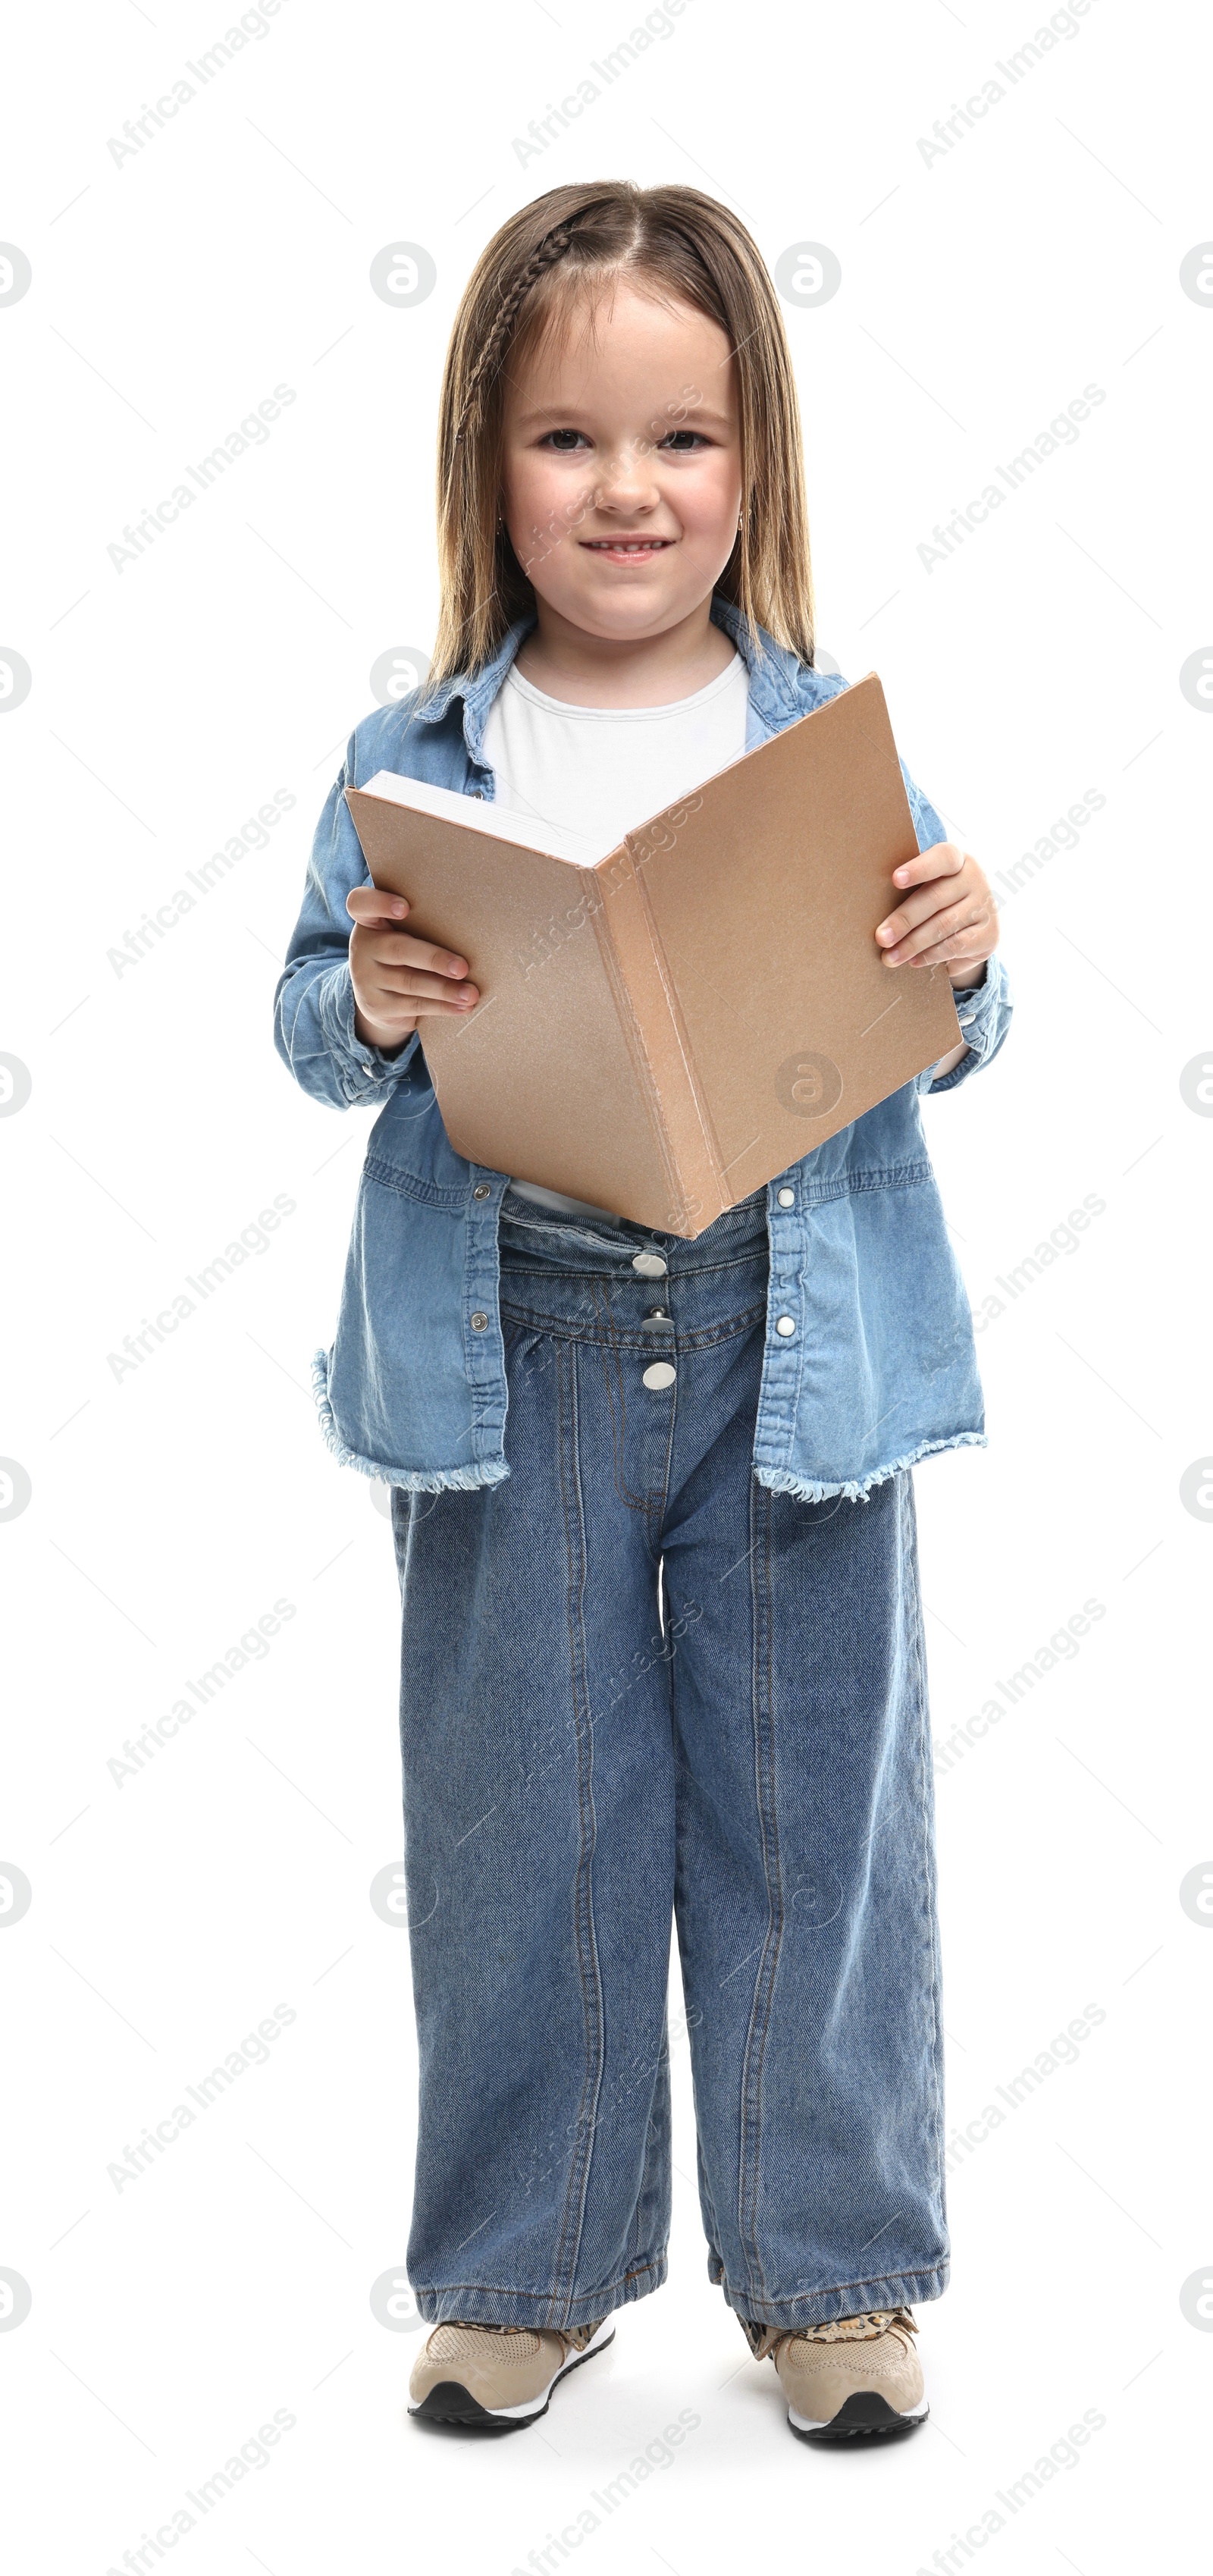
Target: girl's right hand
x,y
398,980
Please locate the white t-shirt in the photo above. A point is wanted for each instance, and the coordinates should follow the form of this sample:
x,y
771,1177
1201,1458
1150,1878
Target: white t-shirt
x,y
598,771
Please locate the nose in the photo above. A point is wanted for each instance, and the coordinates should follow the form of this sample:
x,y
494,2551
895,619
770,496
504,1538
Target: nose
x,y
627,486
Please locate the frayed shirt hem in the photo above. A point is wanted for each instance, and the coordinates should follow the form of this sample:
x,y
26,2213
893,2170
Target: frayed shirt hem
x,y
856,1489
413,1480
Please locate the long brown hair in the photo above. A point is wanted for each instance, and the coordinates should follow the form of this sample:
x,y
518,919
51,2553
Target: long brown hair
x,y
526,281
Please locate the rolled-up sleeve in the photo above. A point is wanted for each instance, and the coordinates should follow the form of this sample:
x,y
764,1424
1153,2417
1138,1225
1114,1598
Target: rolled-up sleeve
x,y
984,1013
314,1002
984,1009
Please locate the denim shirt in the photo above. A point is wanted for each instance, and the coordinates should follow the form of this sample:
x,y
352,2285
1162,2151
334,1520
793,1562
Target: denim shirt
x,y
881,1366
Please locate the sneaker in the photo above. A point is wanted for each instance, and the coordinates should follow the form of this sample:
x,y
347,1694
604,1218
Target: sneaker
x,y
496,2378
859,2376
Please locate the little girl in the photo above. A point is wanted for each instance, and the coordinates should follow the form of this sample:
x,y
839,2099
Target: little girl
x,y
653,1509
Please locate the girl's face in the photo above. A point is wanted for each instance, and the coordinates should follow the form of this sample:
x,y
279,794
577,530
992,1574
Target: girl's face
x,y
621,466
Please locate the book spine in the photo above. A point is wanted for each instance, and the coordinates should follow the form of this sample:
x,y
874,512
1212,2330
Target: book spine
x,y
652,1020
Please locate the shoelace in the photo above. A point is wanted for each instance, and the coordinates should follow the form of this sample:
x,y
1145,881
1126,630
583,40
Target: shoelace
x,y
765,2341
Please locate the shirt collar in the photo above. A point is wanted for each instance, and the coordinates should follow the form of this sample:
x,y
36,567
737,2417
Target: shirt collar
x,y
478,691
773,693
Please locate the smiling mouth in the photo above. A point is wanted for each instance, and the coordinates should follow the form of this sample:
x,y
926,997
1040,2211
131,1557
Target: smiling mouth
x,y
633,547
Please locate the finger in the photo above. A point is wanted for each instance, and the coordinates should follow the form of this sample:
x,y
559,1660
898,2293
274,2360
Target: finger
x,y
389,1012
970,948
967,883
399,948
444,1009
934,928
370,903
405,983
943,859
951,952
917,907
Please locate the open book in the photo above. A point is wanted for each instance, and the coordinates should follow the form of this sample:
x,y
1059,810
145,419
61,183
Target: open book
x,y
664,1028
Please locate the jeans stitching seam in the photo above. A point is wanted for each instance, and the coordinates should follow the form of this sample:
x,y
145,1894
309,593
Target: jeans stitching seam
x,y
926,1790
508,2290
764,1982
843,2289
704,1338
591,1991
648,2166
608,1344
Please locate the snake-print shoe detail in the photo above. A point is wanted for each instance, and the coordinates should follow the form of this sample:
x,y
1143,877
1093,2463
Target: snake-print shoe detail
x,y
857,2377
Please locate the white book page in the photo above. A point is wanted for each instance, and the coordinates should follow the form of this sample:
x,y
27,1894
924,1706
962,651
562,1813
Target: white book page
x,y
480,814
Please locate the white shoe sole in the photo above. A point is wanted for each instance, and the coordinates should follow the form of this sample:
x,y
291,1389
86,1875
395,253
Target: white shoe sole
x,y
449,2402
861,2417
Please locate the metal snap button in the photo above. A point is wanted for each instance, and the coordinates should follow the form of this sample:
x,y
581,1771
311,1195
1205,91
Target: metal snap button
x,y
785,1324
661,1373
787,1198
479,1323
651,1265
481,1190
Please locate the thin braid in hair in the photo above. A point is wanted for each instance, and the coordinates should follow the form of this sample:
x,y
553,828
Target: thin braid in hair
x,y
698,253
551,248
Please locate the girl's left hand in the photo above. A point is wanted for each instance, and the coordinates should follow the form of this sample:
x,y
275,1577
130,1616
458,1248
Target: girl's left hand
x,y
949,920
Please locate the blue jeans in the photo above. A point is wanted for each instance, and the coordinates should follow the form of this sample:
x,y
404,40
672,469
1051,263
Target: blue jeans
x,y
637,1685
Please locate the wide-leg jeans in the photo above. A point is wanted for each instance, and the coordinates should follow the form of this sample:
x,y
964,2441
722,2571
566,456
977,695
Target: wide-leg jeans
x,y
640,1688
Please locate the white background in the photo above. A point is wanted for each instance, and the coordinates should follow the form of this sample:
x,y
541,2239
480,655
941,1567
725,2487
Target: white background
x,y
980,293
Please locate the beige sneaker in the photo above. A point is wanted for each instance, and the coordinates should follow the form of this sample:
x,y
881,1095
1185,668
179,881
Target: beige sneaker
x,y
496,2378
858,2376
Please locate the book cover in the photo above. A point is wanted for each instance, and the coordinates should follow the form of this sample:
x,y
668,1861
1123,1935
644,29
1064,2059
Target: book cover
x,y
666,1029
